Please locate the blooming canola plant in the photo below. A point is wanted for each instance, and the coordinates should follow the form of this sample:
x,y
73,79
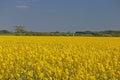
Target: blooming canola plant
x,y
59,58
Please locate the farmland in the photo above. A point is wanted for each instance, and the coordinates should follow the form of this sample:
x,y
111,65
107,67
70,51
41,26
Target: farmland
x,y
59,58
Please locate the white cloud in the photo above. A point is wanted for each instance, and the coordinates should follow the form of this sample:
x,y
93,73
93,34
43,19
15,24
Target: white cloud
x,y
23,7
24,4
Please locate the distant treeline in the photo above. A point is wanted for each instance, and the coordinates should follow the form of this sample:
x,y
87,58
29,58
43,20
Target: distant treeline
x,y
20,31
108,33
56,33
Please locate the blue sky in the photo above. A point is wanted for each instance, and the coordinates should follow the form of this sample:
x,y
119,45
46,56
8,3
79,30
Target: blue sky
x,y
60,15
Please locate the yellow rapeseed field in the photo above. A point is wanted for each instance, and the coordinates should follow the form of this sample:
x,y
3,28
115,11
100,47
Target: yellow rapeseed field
x,y
59,58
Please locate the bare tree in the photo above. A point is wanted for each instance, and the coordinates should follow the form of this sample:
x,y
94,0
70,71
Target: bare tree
x,y
19,30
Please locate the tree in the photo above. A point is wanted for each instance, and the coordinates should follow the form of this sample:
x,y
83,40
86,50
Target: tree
x,y
19,30
5,32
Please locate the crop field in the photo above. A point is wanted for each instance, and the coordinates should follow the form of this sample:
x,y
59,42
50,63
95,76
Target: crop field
x,y
59,58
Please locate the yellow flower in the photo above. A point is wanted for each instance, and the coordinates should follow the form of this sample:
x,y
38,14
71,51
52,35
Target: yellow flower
x,y
30,73
47,58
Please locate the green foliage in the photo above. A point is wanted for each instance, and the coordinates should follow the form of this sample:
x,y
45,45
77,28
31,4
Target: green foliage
x,y
20,31
99,33
5,32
